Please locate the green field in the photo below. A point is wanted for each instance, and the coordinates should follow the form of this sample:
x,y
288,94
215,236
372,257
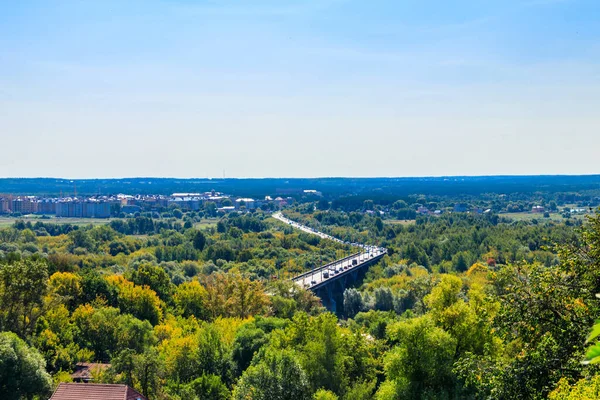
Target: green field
x,y
399,221
8,221
527,216
206,223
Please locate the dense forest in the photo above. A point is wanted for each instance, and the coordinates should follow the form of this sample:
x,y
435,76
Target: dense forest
x,y
373,188
464,306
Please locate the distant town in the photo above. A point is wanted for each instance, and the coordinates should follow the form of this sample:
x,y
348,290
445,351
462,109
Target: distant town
x,y
122,205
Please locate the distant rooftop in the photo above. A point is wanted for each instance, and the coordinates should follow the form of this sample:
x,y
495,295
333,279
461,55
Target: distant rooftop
x,y
84,371
186,194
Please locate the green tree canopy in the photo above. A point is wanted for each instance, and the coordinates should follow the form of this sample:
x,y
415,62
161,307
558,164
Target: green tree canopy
x,y
277,376
22,370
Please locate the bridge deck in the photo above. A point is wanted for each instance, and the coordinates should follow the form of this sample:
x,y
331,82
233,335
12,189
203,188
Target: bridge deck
x,y
321,276
330,272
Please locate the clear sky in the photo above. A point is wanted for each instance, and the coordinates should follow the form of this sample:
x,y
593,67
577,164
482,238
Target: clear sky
x,y
276,88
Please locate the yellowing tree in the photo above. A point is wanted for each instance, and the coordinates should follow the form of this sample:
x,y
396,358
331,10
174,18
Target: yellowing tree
x,y
140,301
467,322
421,362
232,295
66,285
583,389
190,299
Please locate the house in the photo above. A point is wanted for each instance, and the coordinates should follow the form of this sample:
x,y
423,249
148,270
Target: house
x,y
312,192
245,202
4,208
84,372
78,208
281,202
186,201
79,391
538,209
124,199
423,210
24,205
46,206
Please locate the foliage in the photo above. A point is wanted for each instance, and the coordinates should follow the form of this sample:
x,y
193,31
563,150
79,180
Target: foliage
x,y
277,376
584,389
140,301
22,372
106,332
323,394
592,356
234,295
209,387
186,313
420,364
190,299
23,285
330,356
353,302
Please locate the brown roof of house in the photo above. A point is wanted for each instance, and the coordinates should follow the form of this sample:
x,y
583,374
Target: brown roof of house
x,y
94,391
85,371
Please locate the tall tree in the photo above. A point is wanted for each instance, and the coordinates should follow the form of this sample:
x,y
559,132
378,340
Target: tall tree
x,y
353,302
190,300
420,365
22,370
23,285
277,376
199,240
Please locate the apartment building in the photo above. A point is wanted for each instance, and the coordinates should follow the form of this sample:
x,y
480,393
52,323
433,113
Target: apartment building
x,y
24,205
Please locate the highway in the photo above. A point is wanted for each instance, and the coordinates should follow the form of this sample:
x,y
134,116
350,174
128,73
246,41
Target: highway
x,y
338,268
304,228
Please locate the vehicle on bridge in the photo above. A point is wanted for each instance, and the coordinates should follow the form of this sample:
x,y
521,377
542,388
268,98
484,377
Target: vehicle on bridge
x,y
331,271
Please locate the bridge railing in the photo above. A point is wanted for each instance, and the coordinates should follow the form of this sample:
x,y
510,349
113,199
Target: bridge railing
x,y
305,274
345,272
326,266
331,264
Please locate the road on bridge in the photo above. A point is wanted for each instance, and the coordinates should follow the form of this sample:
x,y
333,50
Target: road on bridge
x,y
331,271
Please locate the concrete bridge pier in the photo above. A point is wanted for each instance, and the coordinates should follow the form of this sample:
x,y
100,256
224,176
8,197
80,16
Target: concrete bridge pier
x,y
327,295
332,302
341,283
354,275
332,293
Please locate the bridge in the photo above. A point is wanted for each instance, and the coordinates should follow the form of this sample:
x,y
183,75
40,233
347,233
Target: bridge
x,y
334,277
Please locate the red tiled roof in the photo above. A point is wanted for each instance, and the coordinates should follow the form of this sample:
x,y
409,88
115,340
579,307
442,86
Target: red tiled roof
x,y
94,391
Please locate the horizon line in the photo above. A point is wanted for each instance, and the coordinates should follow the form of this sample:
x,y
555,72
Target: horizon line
x,y
307,177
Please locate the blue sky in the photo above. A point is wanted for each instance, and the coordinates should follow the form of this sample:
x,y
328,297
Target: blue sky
x,y
299,88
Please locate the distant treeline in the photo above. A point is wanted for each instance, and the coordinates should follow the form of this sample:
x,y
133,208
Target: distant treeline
x,y
333,187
